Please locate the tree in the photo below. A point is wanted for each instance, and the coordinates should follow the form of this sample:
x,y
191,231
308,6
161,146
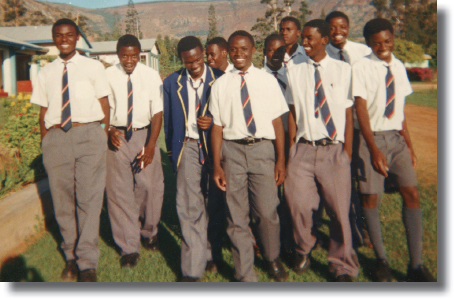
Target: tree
x,y
408,51
304,11
212,31
12,10
381,7
322,14
132,21
269,24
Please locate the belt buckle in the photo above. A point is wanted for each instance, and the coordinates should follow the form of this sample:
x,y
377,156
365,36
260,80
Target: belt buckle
x,y
313,143
324,141
250,140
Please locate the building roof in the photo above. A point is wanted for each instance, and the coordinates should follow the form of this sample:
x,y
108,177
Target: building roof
x,y
111,46
8,41
33,34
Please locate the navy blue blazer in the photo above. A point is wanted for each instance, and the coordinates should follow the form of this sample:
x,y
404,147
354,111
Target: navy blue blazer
x,y
176,110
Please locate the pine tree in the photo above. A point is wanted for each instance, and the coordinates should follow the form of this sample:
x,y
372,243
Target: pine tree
x,y
381,7
322,14
132,21
212,31
270,23
304,11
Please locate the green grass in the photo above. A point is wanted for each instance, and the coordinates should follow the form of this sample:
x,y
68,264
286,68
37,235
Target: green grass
x,y
43,261
427,98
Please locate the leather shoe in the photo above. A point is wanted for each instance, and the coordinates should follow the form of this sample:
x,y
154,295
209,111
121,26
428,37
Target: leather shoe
x,y
88,275
344,278
151,244
211,267
129,260
70,272
276,270
302,262
420,274
190,279
382,271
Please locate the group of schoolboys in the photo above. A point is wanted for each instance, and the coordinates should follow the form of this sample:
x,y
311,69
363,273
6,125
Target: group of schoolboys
x,y
234,133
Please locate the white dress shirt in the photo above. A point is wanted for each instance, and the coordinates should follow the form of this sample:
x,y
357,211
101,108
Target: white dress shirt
x,y
191,129
369,75
297,57
267,103
146,95
336,82
229,68
281,75
352,51
87,84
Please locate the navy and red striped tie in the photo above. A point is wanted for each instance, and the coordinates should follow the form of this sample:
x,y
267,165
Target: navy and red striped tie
x,y
198,112
341,55
130,101
281,83
321,105
66,122
390,94
247,107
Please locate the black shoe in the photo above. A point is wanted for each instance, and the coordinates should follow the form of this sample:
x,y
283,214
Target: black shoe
x,y
70,272
344,278
129,260
302,262
420,274
87,275
276,270
211,267
382,271
190,279
151,244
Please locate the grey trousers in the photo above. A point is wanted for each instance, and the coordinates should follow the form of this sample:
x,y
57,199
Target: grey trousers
x,y
200,211
322,170
249,170
75,163
133,194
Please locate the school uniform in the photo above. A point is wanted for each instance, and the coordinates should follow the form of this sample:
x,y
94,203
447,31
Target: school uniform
x,y
249,168
132,192
229,68
318,157
199,202
299,56
75,160
350,53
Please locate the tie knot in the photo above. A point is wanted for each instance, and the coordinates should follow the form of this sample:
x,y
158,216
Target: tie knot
x,y
275,73
316,64
192,83
242,74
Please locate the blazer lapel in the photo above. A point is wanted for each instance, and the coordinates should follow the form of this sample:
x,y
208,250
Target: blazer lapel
x,y
210,78
182,93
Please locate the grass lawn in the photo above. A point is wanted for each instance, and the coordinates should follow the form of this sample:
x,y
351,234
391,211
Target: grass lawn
x,y
426,98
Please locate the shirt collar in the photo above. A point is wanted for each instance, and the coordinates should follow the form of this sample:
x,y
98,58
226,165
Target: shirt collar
x,y
373,57
118,65
249,70
73,59
204,75
280,71
323,63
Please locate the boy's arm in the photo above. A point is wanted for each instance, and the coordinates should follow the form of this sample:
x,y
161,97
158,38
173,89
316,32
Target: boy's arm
x,y
42,126
406,134
378,159
348,136
292,127
216,142
147,156
279,168
104,101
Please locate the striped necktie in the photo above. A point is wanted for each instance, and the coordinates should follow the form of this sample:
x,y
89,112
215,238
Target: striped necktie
x,y
390,94
247,107
321,105
198,113
281,83
130,100
341,55
66,122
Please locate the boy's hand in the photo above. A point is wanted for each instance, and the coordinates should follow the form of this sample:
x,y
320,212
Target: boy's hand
x,y
204,122
279,172
379,162
219,178
145,158
113,137
413,157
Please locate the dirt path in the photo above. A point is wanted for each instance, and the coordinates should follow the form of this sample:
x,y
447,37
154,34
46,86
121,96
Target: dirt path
x,y
422,123
424,86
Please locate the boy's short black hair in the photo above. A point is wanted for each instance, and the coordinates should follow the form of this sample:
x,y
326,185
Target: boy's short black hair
x,y
375,26
65,21
273,37
220,41
337,14
188,43
321,25
293,20
242,33
128,40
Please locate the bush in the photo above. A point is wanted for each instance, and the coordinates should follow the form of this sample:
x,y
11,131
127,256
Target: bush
x,y
420,74
21,140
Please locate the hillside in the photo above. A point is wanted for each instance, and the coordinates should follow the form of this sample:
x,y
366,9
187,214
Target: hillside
x,y
184,18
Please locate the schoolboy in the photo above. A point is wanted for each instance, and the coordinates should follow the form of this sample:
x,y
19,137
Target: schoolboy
x,y
290,29
216,52
246,105
321,130
187,125
135,184
74,119
380,85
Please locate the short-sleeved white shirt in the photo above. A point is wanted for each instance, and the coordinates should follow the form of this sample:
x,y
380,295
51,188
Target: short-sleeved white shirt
x,y
369,76
297,57
146,95
281,75
266,98
336,82
352,51
229,68
87,83
191,128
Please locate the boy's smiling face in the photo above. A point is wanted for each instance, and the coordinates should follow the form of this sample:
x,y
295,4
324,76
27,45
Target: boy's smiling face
x,y
382,45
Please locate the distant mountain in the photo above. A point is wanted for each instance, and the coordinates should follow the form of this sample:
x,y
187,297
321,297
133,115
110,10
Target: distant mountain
x,y
180,18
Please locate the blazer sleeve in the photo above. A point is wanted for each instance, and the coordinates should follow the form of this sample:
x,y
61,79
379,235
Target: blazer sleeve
x,y
168,128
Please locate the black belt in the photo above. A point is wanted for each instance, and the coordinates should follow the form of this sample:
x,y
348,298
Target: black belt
x,y
133,129
322,142
248,140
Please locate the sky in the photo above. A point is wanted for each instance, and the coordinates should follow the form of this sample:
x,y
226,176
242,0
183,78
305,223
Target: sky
x,y
101,3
